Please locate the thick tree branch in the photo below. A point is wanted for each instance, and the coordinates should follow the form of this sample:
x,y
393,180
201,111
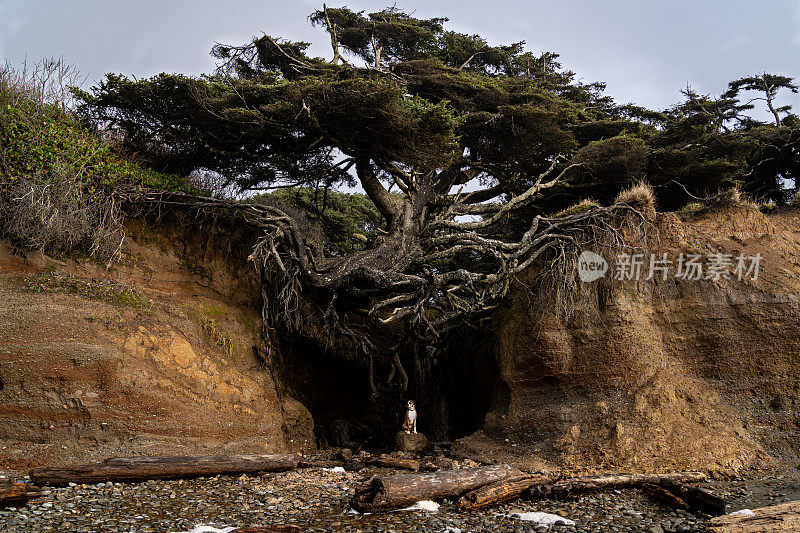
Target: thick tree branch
x,y
515,203
387,204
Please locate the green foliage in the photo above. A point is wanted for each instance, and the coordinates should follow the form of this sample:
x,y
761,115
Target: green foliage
x,y
421,98
774,162
389,34
41,139
348,221
257,133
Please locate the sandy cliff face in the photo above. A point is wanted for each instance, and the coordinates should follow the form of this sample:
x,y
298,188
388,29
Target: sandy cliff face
x,y
667,375
160,354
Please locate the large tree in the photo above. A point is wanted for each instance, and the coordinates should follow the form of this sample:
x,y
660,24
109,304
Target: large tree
x,y
413,113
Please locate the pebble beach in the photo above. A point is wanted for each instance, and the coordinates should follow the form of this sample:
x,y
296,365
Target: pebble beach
x,y
316,499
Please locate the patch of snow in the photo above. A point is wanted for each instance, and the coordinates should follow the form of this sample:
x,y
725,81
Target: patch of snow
x,y
543,519
743,512
335,470
452,530
423,505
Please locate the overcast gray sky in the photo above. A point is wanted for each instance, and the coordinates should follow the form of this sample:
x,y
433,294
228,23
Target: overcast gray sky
x,y
646,50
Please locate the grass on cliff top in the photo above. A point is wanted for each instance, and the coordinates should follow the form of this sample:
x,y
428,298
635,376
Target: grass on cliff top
x,y
92,289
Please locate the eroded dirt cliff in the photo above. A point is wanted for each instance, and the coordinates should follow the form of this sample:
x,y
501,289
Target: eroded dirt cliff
x,y
159,354
163,353
659,375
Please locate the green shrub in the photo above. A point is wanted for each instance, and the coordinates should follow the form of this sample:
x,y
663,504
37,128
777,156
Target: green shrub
x,y
58,176
39,136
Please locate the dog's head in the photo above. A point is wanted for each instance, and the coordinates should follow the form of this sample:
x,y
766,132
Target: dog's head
x,y
410,405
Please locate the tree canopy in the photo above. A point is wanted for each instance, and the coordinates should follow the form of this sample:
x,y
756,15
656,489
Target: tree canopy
x,y
411,112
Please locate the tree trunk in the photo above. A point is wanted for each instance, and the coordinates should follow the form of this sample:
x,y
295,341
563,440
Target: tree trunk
x,y
781,517
697,498
609,481
499,492
132,469
394,492
773,111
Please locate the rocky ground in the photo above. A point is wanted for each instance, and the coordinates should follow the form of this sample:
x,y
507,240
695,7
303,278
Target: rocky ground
x,y
317,500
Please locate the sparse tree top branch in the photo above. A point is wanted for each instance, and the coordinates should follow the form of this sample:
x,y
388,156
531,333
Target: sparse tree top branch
x,y
769,84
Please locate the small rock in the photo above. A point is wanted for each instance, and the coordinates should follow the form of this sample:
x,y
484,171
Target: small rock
x,y
412,442
345,454
355,464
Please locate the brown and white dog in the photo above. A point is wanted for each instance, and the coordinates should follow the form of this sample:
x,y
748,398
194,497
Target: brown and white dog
x,y
410,424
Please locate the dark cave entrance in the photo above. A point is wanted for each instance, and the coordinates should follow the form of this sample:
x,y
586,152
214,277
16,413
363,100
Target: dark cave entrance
x,y
453,391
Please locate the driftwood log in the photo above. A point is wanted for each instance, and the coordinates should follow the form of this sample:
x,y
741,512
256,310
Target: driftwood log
x,y
499,492
698,499
384,493
662,495
395,462
781,517
543,486
132,469
16,493
608,481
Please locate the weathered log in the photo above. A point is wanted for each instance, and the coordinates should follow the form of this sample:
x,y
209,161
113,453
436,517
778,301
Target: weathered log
x,y
662,495
395,462
132,469
268,529
321,463
608,481
698,499
781,517
499,492
11,493
383,493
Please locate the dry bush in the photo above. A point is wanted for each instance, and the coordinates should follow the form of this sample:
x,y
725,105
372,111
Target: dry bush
x,y
730,196
579,207
640,197
214,185
733,196
693,208
58,216
45,83
796,198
